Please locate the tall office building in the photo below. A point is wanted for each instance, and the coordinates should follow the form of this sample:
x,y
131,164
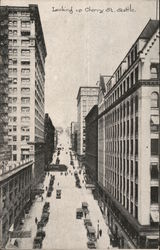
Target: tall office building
x,y
128,130
87,97
24,50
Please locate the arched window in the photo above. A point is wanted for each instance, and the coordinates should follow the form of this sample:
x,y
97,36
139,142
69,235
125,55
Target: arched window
x,y
154,100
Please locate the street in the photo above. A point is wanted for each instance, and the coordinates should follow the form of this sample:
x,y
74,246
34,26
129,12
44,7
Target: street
x,y
63,230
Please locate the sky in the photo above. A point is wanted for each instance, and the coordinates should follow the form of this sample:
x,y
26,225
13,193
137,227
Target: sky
x,y
89,38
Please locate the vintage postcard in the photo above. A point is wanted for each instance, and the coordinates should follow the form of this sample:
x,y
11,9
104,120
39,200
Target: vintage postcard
x,y
79,124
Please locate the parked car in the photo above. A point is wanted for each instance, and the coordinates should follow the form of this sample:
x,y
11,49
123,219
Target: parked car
x,y
41,233
91,245
91,233
79,213
37,243
87,222
49,193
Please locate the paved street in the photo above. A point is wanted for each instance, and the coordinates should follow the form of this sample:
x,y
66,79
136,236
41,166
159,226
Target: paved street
x,y
63,230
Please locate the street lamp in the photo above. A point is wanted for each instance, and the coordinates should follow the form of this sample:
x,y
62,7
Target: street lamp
x,y
98,229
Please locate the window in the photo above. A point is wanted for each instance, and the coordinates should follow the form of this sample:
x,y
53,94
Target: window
x,y
132,147
132,106
136,169
25,42
154,146
25,62
25,80
15,52
25,138
25,52
127,108
25,23
154,195
154,74
131,168
25,90
25,109
131,189
25,129
132,57
154,123
136,104
124,149
136,146
25,118
127,146
135,52
136,75
136,192
25,71
14,42
128,83
154,171
14,109
154,100
132,79
14,32
14,128
14,99
128,127
14,80
14,23
132,126
25,33
128,60
14,147
124,86
124,128
14,157
14,61
14,138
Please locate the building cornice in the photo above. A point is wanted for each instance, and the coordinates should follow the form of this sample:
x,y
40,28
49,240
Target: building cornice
x,y
136,86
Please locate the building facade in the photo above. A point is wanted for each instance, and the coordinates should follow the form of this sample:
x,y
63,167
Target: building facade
x,y
49,135
25,75
87,97
128,134
73,136
91,153
15,190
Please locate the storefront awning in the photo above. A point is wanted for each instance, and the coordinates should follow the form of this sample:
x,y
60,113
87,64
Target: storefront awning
x,y
155,216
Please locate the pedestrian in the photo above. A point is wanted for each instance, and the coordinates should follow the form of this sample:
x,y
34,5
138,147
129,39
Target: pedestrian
x,y
42,198
100,232
46,188
58,183
36,220
85,214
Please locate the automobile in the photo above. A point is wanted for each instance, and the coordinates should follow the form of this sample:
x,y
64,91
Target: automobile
x,y
37,243
40,224
58,194
85,207
45,217
49,193
41,233
46,205
91,233
79,213
87,222
91,245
